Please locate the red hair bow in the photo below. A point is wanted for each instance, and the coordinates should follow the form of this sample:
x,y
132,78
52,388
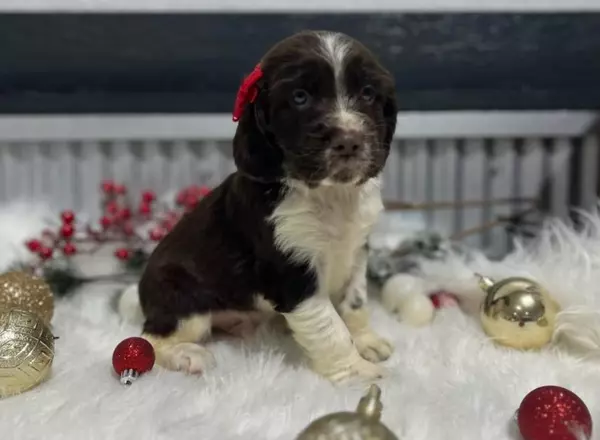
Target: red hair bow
x,y
247,92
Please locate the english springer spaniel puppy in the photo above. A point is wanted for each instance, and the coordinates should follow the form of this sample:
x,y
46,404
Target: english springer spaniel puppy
x,y
287,231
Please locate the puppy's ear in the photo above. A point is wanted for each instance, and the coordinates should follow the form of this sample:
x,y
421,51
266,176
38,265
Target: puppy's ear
x,y
255,151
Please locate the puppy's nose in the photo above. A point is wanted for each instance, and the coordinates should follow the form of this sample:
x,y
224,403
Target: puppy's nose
x,y
347,143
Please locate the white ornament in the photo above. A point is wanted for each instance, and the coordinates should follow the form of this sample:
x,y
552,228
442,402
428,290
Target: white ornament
x,y
405,296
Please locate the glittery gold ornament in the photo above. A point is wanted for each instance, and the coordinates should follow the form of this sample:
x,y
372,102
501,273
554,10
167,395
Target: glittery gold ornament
x,y
26,351
26,292
517,312
363,424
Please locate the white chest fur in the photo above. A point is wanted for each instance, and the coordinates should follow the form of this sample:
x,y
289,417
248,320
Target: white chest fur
x,y
325,227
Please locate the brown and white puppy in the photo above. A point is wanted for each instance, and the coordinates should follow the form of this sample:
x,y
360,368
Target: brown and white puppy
x,y
289,228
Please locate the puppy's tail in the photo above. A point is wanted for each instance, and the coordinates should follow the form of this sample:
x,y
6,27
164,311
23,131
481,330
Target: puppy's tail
x,y
128,306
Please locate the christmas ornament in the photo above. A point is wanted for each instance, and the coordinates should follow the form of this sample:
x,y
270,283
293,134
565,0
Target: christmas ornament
x,y
405,296
517,312
26,351
26,292
131,358
554,413
363,424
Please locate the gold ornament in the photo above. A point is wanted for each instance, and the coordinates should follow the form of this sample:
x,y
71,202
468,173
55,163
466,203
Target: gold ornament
x,y
363,424
26,292
26,351
517,312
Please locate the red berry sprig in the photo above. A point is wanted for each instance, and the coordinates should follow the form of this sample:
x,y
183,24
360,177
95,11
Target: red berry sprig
x,y
119,223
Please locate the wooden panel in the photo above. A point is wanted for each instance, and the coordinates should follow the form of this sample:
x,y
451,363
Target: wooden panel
x,y
136,63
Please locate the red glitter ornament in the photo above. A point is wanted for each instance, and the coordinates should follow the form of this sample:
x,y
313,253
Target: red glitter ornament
x,y
132,357
554,413
145,208
67,217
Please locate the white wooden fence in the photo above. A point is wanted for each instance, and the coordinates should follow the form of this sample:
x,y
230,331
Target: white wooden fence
x,y
435,157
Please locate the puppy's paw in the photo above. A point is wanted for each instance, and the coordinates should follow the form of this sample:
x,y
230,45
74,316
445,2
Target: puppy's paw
x,y
360,369
187,357
373,347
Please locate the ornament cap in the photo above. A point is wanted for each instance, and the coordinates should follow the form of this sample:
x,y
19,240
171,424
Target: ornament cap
x,y
485,283
128,377
370,405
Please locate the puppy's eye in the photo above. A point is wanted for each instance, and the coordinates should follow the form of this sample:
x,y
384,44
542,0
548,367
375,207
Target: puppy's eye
x,y
368,94
300,98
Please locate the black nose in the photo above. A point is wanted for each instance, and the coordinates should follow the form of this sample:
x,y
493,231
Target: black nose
x,y
347,143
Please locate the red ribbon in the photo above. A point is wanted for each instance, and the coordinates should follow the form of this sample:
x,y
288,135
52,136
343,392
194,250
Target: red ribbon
x,y
247,92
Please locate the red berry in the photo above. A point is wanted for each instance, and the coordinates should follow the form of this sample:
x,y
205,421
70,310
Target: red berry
x,y
148,196
145,208
45,253
156,234
108,186
181,197
69,249
122,254
34,245
125,214
128,229
67,231
112,208
106,221
68,217
120,189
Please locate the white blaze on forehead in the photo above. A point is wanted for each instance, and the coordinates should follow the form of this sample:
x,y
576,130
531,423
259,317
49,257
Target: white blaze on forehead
x,y
335,49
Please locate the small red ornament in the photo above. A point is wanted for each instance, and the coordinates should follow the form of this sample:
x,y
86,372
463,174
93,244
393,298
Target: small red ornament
x,y
67,217
69,249
108,186
45,253
442,298
122,254
156,234
128,229
148,196
67,230
181,197
34,245
554,413
132,357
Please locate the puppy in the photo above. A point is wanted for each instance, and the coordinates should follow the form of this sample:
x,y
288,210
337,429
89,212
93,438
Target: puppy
x,y
287,231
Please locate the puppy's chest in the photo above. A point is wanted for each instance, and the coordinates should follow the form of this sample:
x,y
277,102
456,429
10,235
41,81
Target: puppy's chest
x,y
325,228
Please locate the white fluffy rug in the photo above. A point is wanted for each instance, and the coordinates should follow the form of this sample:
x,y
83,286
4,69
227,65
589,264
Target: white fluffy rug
x,y
446,380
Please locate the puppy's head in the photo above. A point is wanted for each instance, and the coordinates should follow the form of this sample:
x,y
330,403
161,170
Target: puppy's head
x,y
325,113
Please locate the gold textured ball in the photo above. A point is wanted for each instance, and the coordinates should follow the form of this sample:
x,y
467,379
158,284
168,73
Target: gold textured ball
x,y
22,291
517,312
363,424
26,351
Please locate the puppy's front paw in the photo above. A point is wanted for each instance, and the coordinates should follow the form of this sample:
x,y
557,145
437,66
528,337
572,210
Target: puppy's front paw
x,y
359,368
373,347
187,357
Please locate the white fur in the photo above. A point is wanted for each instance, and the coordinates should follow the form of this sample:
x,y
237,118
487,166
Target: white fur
x,y
326,226
446,381
335,48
